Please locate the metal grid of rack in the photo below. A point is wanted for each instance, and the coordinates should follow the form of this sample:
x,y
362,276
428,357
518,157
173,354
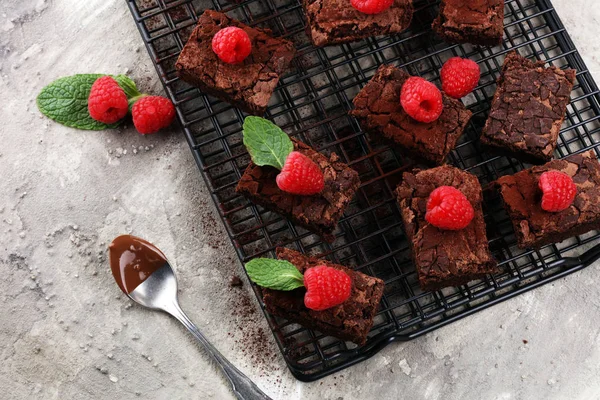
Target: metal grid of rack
x,y
312,103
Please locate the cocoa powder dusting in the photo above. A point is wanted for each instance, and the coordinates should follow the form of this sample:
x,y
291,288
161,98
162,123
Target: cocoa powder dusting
x,y
250,338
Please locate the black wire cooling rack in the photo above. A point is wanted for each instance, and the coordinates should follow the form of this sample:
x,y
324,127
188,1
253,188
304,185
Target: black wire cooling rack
x,y
312,102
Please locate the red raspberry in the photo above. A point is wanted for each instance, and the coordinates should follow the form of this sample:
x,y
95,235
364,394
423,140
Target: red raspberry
x,y
558,189
459,77
232,45
326,287
421,99
152,113
107,102
448,208
371,6
300,175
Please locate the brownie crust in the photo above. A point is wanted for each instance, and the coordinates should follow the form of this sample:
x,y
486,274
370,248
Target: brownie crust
x,y
351,320
336,21
319,213
379,112
247,85
528,109
479,22
535,227
442,257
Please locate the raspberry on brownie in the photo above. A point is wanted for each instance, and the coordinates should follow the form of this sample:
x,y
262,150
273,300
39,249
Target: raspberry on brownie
x,y
379,112
523,197
444,257
448,208
248,84
421,99
232,45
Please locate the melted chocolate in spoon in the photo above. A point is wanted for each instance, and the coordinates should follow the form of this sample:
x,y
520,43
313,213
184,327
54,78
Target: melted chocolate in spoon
x,y
133,260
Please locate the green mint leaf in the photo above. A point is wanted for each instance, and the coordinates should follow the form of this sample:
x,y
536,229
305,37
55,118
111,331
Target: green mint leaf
x,y
266,142
274,274
128,86
65,100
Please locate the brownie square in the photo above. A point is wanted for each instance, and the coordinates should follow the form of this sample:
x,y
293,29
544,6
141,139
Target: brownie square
x,y
379,112
351,320
336,21
528,109
443,257
247,85
478,22
535,227
319,213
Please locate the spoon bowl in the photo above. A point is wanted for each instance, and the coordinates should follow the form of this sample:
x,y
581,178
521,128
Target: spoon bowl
x,y
158,291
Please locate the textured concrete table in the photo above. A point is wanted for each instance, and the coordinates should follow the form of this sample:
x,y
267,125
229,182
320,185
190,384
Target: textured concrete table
x,y
66,331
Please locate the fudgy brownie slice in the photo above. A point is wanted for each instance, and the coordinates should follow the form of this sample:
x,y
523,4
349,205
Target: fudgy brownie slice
x,y
319,213
535,227
351,320
528,109
336,21
478,22
444,257
247,85
379,112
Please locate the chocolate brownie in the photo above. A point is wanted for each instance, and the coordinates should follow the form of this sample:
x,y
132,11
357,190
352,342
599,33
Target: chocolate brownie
x,y
319,213
336,21
247,85
379,112
528,109
535,227
351,320
443,257
478,22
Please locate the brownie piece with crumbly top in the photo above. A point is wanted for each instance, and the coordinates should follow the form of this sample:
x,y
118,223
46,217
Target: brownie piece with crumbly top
x,y
336,21
247,85
535,227
379,112
528,109
352,320
318,213
444,257
479,22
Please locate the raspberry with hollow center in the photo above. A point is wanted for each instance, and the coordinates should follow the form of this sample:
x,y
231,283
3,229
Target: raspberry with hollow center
x,y
448,208
558,190
232,45
371,6
300,175
459,77
152,113
326,287
107,102
421,99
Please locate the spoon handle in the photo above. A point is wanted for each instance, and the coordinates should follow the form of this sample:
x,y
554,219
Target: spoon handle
x,y
243,387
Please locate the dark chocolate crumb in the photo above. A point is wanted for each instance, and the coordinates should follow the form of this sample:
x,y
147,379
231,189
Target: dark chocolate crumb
x,y
235,281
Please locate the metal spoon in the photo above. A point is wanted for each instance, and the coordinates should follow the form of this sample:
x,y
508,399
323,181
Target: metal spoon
x,y
159,292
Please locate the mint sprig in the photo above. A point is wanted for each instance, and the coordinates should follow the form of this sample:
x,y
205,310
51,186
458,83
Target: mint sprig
x,y
65,100
266,142
274,274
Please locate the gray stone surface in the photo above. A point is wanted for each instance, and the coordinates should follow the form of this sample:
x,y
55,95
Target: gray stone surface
x,y
66,331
